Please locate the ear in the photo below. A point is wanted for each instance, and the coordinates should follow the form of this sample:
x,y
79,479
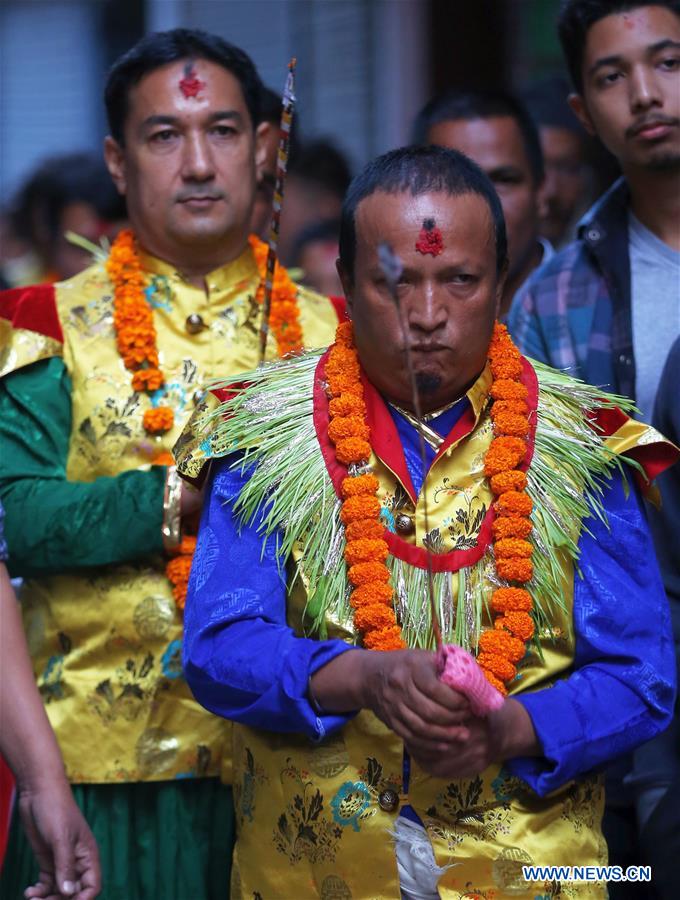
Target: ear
x,y
580,110
500,287
261,133
347,285
114,157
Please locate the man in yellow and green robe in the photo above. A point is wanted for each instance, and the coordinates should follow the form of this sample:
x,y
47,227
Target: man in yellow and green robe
x,y
357,773
94,510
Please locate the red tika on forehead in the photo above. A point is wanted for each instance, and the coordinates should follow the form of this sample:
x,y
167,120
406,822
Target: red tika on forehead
x,y
191,85
430,239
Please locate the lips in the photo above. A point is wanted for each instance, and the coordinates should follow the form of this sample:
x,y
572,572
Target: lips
x,y
653,129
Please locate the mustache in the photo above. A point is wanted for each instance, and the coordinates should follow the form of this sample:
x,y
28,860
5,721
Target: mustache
x,y
199,191
651,119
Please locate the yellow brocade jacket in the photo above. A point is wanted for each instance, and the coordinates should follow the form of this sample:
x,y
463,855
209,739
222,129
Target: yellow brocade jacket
x,y
104,632
314,817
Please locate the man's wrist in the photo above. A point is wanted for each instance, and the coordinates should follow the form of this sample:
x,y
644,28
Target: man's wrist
x,y
515,732
340,685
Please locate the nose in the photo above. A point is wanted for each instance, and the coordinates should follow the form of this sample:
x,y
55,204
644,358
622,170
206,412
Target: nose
x,y
427,312
197,161
643,88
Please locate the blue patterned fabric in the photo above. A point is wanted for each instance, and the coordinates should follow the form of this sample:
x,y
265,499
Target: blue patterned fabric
x,y
245,663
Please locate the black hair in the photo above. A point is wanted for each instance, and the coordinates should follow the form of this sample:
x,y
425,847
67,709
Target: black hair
x,y
575,19
467,105
420,170
325,230
58,182
546,102
164,47
322,164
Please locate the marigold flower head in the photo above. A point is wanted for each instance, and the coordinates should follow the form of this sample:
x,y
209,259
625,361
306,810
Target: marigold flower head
x,y
374,617
504,453
514,503
347,405
512,480
518,623
345,383
352,450
511,526
364,528
516,407
509,599
360,507
365,551
343,427
344,334
372,593
509,423
499,666
147,380
503,643
514,569
506,368
158,419
366,572
509,548
359,484
507,389
384,639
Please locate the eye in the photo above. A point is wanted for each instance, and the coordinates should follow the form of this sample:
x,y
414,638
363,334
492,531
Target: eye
x,y
224,131
162,137
462,278
609,78
670,65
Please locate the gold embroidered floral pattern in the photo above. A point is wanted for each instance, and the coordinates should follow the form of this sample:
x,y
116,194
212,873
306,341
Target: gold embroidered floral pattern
x,y
302,831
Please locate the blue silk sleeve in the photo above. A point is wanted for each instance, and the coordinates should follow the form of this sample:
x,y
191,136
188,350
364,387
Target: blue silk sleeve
x,y
241,660
621,690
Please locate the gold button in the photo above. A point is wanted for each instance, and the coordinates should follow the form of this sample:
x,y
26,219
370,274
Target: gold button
x,y
194,323
404,524
388,800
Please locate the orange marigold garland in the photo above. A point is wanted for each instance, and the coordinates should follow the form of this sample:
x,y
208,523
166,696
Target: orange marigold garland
x,y
136,341
135,331
284,317
366,551
502,647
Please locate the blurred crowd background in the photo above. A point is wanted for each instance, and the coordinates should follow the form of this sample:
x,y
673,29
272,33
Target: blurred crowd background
x,y
365,69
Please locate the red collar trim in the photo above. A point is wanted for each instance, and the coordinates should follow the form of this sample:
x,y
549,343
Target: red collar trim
x,y
387,446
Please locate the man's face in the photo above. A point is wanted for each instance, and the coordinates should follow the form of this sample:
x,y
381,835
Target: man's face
x,y
448,302
631,87
565,184
188,165
496,145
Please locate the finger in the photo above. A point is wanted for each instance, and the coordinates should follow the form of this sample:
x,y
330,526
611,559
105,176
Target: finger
x,y
417,726
436,750
434,713
427,680
89,869
64,865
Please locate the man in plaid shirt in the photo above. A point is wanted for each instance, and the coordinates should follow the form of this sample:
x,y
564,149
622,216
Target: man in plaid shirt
x,y
607,307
